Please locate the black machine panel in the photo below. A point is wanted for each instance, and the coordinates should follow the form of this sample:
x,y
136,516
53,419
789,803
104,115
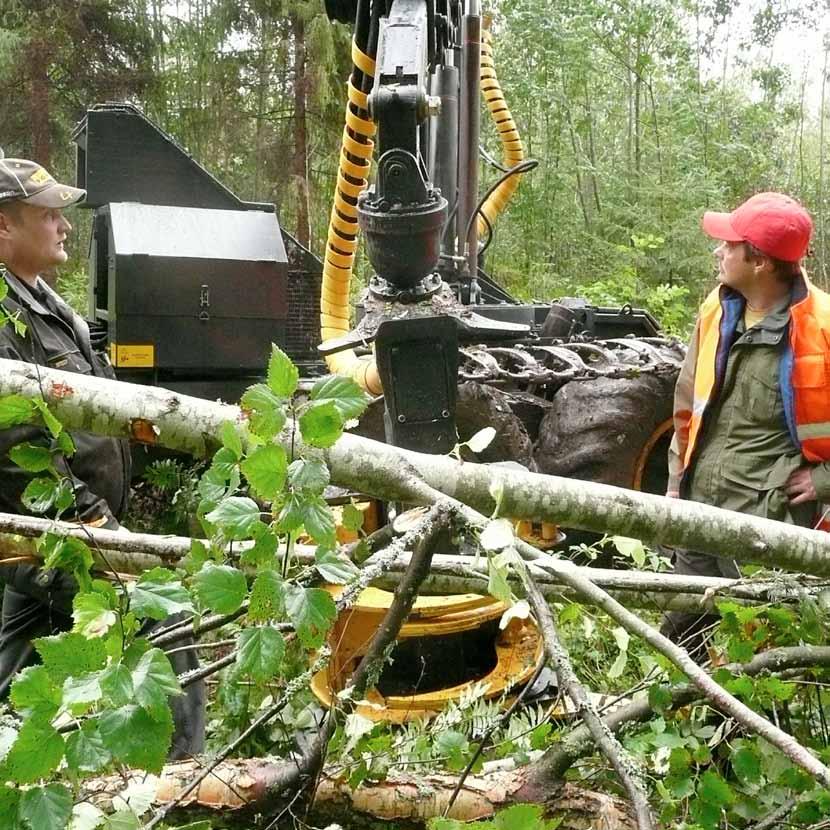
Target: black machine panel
x,y
188,282
188,288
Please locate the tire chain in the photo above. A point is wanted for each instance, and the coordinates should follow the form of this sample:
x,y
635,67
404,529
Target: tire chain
x,y
559,362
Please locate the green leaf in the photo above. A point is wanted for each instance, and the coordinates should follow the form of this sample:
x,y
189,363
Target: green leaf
x,y
122,820
32,458
267,416
318,520
632,548
9,805
220,588
747,763
212,484
680,761
519,817
153,680
15,410
224,464
231,439
659,697
236,516
321,425
37,751
267,597
312,611
70,654
65,443
497,584
308,474
158,594
92,614
351,518
714,790
334,568
40,494
261,651
741,686
796,779
50,421
69,554
291,514
618,666
117,684
33,694
282,373
775,688
265,468
452,747
85,750
79,693
135,738
349,399
261,554
46,808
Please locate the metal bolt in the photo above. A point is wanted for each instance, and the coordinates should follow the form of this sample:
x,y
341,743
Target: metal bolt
x,y
433,105
401,419
396,170
445,413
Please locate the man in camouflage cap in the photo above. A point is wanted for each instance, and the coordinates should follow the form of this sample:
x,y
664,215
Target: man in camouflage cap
x,y
38,602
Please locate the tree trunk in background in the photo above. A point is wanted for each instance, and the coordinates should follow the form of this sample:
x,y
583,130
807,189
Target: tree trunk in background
x,y
39,122
299,171
821,235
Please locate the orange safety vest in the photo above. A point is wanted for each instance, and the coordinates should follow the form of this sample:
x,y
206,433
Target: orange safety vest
x,y
804,373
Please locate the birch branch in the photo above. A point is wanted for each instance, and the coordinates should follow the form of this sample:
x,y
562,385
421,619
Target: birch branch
x,y
165,418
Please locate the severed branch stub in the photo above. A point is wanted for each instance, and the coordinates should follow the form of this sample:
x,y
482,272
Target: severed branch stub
x,y
421,538
624,765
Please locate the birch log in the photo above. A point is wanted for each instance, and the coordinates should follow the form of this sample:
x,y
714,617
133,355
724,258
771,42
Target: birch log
x,y
133,553
159,416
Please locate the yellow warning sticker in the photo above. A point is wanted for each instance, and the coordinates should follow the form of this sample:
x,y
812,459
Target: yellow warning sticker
x,y
137,356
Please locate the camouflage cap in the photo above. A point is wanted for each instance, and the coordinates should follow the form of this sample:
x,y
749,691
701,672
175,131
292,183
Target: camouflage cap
x,y
28,182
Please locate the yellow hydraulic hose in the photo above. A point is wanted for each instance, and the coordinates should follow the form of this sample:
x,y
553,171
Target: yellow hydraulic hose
x,y
341,245
512,149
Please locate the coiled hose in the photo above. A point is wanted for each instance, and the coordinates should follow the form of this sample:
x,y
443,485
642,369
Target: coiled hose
x,y
512,150
352,178
341,244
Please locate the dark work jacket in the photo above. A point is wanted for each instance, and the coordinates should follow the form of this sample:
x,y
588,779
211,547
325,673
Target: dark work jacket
x,y
58,338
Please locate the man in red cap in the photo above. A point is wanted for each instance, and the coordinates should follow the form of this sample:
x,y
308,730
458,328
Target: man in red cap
x,y
752,403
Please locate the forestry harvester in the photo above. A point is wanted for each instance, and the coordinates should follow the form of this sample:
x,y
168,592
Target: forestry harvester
x,y
177,262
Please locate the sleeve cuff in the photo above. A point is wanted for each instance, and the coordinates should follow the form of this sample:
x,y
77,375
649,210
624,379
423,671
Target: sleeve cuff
x,y
820,475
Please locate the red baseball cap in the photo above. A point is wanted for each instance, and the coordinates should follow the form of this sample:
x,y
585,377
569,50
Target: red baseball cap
x,y
775,224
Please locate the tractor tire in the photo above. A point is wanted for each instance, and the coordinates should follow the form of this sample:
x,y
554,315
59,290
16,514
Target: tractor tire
x,y
610,430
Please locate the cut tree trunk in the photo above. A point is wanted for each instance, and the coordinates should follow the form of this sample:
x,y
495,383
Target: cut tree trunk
x,y
165,418
239,787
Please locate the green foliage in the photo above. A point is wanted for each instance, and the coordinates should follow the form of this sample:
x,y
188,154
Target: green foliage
x,y
517,817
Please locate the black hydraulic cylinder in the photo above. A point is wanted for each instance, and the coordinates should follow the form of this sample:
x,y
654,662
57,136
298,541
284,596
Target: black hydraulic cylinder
x,y
443,157
468,139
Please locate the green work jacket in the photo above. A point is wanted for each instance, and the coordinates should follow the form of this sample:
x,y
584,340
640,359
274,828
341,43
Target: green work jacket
x,y
746,453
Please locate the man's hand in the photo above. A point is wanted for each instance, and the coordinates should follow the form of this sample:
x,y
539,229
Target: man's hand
x,y
800,486
672,494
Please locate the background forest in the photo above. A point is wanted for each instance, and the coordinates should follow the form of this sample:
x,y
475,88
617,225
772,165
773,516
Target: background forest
x,y
641,112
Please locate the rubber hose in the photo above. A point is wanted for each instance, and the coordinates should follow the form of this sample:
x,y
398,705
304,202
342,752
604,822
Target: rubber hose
x,y
342,239
512,149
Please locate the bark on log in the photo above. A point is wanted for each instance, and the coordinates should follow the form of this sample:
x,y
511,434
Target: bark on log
x,y
162,417
236,787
